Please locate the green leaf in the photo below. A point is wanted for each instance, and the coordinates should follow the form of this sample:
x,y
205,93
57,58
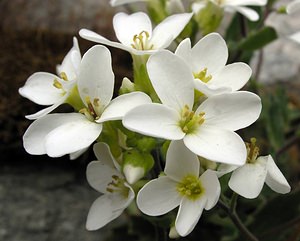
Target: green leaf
x,y
258,39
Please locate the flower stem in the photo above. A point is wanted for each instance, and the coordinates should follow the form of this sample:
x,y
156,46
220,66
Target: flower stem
x,y
235,218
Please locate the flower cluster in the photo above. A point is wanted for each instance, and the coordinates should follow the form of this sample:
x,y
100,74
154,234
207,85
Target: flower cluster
x,y
152,142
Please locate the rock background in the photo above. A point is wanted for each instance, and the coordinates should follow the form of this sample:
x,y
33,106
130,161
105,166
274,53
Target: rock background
x,y
45,199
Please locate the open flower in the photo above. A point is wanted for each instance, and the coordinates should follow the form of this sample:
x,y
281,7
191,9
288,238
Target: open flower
x,y
209,130
248,180
60,134
104,175
49,89
207,61
181,186
233,6
135,32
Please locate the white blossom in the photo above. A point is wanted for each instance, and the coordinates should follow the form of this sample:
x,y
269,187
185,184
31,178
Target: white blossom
x,y
207,61
208,131
182,186
105,176
135,33
60,134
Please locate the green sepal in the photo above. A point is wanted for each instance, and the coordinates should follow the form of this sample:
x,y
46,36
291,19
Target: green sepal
x,y
136,158
209,18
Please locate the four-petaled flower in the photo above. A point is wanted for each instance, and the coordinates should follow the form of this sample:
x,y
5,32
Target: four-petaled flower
x,y
248,180
233,5
209,130
135,32
60,134
207,61
105,176
49,89
181,186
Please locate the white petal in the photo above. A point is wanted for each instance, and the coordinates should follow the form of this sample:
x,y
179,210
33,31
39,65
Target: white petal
x,y
249,179
171,79
295,37
154,120
217,145
119,201
210,89
70,65
126,26
39,89
234,76
275,179
115,3
99,175
188,215
77,154
103,154
100,213
232,111
184,49
293,7
167,30
224,169
92,36
72,136
197,6
47,110
119,106
210,52
247,12
211,183
246,2
180,161
35,136
96,78
158,197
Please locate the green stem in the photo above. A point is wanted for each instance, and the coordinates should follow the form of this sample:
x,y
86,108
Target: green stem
x,y
236,220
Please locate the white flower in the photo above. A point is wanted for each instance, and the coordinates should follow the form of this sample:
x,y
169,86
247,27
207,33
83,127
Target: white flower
x,y
293,7
234,5
207,61
248,180
60,134
135,32
181,187
104,175
209,130
49,89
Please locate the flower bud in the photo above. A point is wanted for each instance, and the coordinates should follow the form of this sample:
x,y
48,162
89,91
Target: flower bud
x,y
136,165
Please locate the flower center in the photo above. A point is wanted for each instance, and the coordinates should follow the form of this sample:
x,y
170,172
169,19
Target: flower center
x,y
203,76
190,187
252,151
117,186
58,84
93,110
141,41
190,121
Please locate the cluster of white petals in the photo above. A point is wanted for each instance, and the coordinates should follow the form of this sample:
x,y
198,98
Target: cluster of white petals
x,y
207,61
48,89
65,133
293,8
183,186
198,106
208,131
135,32
105,176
